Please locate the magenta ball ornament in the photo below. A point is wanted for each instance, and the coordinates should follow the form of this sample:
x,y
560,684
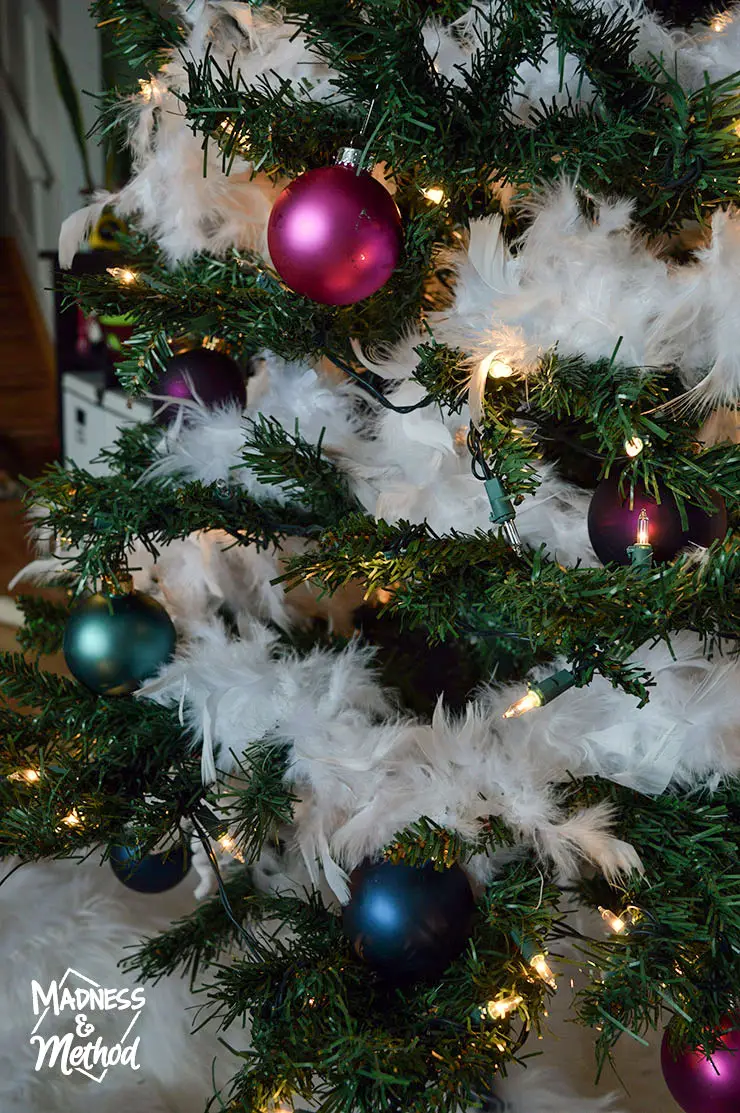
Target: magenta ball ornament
x,y
612,522
701,1085
201,374
335,235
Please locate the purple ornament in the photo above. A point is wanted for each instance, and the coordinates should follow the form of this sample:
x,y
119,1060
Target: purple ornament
x,y
612,522
702,1085
201,374
335,235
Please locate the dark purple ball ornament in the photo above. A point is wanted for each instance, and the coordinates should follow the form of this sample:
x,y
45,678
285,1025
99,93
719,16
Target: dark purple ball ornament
x,y
612,522
702,1085
335,234
201,375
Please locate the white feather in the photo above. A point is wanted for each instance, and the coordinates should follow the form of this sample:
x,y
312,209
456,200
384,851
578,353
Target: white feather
x,y
594,287
552,81
75,229
534,1090
208,446
695,328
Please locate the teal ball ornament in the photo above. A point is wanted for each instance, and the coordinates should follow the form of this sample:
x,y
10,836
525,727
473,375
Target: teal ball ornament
x,y
113,643
150,873
408,923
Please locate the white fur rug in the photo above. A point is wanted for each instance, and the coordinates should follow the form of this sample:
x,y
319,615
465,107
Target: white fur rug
x,y
63,914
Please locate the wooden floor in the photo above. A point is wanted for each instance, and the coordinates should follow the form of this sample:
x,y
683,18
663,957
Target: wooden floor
x,y
28,418
28,392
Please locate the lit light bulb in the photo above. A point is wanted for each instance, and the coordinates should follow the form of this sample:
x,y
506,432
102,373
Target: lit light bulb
x,y
73,819
641,553
123,274
228,843
149,88
542,969
30,776
434,194
461,435
634,447
497,1010
615,923
527,702
720,21
494,367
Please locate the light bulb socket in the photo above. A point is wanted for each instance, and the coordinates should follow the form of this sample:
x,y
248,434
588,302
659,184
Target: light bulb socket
x,y
641,556
553,686
502,509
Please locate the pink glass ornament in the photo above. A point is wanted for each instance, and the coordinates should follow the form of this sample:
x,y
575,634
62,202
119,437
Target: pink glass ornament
x,y
701,1085
335,235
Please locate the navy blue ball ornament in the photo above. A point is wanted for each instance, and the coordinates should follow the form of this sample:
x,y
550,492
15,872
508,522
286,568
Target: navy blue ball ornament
x,y
612,522
113,643
408,923
150,873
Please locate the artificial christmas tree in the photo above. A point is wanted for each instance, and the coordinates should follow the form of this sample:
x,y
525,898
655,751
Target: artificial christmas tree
x,y
566,177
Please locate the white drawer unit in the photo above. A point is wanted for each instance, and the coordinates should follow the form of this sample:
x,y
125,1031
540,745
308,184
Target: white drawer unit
x,y
92,418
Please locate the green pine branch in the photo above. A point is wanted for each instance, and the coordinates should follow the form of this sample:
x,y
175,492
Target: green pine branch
x,y
644,137
258,803
144,35
125,767
100,518
302,470
43,626
321,1023
452,583
196,941
679,949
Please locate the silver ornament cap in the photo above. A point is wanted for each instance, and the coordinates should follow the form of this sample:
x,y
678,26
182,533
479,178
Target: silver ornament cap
x,y
349,156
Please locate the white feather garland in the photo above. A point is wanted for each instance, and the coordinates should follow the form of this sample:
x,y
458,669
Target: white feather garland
x,y
592,287
361,772
209,446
